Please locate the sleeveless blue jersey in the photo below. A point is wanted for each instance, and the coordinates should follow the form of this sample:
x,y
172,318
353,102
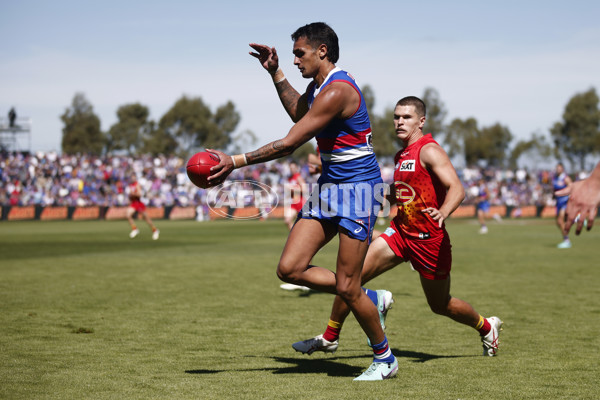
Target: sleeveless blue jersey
x,y
560,182
345,144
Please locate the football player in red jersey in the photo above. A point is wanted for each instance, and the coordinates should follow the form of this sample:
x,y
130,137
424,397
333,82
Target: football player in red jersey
x,y
135,205
427,190
296,185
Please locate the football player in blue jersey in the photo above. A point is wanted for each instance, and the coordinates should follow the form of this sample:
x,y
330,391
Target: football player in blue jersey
x,y
561,181
348,196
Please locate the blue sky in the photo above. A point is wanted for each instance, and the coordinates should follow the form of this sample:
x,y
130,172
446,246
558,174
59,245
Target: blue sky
x,y
513,62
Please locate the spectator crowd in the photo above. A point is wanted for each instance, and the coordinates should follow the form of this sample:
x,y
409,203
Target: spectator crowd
x,y
50,179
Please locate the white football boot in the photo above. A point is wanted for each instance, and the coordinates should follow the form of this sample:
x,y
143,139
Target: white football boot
x,y
490,341
317,343
155,234
379,371
134,233
292,287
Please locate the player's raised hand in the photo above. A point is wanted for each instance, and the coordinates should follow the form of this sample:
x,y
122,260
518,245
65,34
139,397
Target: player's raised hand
x,y
221,171
267,56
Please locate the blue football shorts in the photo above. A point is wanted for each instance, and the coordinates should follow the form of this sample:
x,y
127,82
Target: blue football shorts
x,y
352,206
484,206
561,203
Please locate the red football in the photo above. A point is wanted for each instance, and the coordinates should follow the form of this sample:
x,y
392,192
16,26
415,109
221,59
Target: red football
x,y
198,167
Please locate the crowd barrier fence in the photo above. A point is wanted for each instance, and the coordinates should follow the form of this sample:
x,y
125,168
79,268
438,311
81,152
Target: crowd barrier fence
x,y
21,213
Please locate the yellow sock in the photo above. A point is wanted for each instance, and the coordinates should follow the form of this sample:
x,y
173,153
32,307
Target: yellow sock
x,y
334,324
480,323
332,332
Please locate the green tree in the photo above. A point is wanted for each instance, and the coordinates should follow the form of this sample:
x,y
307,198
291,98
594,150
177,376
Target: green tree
x,y
487,145
192,124
369,96
383,129
436,112
492,145
578,135
458,133
537,149
385,142
81,131
158,141
243,142
128,133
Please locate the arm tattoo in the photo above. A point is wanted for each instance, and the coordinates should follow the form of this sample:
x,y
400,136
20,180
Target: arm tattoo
x,y
289,97
269,152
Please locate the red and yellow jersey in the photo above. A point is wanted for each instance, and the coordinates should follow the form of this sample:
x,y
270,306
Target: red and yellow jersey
x,y
135,191
296,181
416,189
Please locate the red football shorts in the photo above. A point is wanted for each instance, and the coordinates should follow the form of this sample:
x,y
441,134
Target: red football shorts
x,y
431,257
297,204
138,206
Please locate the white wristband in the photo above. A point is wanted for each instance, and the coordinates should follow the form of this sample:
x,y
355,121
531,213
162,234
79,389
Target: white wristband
x,y
278,76
241,160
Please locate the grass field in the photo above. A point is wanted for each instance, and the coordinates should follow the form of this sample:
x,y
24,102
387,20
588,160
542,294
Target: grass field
x,y
87,313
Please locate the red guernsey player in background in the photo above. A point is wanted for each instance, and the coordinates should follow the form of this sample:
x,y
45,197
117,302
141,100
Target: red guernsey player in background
x,y
295,186
427,190
134,190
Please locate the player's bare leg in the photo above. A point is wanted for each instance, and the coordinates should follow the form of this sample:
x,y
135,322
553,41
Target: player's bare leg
x,y
304,241
441,302
350,260
560,222
347,284
481,218
134,230
130,212
438,297
351,255
379,259
148,221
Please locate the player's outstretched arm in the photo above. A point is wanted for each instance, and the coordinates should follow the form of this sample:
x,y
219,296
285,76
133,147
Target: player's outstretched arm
x,y
434,158
583,201
294,104
277,149
334,101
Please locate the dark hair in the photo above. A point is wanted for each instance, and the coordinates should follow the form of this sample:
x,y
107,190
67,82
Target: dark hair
x,y
319,33
413,101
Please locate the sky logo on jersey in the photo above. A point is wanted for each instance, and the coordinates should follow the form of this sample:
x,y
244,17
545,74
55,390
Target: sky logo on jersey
x,y
405,194
407,165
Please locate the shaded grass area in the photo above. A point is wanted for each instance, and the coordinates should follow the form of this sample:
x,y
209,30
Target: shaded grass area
x,y
198,314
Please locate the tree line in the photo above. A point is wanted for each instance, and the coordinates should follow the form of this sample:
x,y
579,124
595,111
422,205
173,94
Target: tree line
x,y
191,124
